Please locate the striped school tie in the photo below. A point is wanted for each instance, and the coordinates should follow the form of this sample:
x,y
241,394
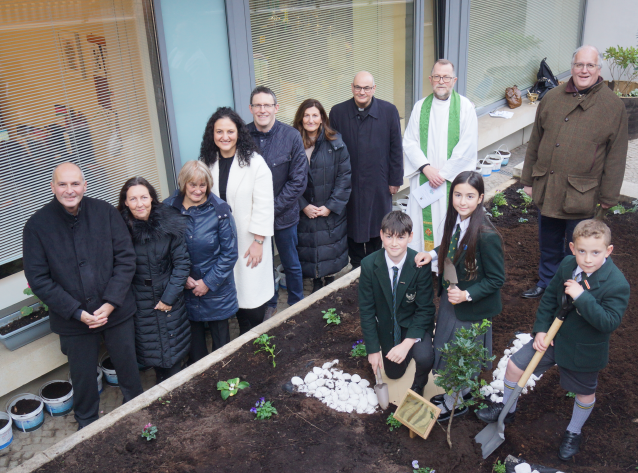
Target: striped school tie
x,y
397,329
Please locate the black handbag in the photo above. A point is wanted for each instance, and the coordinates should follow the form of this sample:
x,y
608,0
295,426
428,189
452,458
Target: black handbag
x,y
546,80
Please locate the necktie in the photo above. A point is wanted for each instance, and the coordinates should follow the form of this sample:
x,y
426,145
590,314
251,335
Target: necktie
x,y
583,280
397,329
454,243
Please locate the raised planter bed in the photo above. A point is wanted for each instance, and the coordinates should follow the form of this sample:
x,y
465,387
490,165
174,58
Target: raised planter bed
x,y
198,432
17,331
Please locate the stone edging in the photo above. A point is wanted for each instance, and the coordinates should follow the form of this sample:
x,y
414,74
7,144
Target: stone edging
x,y
145,399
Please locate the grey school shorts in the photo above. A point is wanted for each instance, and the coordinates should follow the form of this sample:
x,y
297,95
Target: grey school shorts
x,y
574,381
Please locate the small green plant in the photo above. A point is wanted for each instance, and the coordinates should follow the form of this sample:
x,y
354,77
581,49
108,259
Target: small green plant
x,y
499,467
264,341
499,199
527,200
358,349
617,209
331,316
524,211
27,310
263,409
393,423
570,394
622,62
417,469
464,357
496,213
165,403
230,387
523,220
149,432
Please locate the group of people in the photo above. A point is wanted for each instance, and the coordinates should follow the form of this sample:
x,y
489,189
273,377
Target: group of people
x,y
150,278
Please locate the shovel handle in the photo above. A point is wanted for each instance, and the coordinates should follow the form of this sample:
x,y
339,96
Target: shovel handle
x,y
551,333
378,376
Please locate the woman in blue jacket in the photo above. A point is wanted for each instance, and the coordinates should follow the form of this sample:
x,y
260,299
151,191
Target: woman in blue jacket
x,y
211,238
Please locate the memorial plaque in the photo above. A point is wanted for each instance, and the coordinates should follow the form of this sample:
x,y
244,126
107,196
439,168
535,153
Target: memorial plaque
x,y
417,414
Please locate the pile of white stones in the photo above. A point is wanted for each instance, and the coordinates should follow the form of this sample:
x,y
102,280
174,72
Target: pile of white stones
x,y
526,468
338,390
495,389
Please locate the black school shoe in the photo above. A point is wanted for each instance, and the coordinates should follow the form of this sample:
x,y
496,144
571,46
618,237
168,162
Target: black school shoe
x,y
491,413
533,293
445,414
569,446
439,399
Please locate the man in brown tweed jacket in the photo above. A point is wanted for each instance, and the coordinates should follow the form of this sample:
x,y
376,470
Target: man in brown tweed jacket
x,y
575,158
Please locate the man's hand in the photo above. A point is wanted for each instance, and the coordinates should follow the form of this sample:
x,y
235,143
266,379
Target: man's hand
x,y
200,288
394,189
528,190
539,342
190,283
422,258
311,211
455,295
375,361
104,311
572,288
433,176
93,321
254,254
163,307
605,206
323,211
398,353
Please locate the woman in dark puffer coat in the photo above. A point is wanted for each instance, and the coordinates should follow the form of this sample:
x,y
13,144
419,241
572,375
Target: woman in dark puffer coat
x,y
162,330
322,230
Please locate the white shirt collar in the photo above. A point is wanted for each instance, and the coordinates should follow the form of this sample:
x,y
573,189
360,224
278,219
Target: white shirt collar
x,y
579,270
391,263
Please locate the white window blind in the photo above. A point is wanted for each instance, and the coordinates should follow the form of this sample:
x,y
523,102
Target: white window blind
x,y
509,38
75,85
312,49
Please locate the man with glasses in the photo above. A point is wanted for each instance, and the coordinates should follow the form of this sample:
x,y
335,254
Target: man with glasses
x,y
575,158
440,141
371,130
282,148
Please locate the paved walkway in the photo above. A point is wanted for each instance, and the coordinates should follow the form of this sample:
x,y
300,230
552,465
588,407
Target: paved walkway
x,y
631,169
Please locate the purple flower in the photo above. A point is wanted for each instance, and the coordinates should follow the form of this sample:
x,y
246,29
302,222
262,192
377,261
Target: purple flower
x,y
415,464
253,410
360,341
262,399
148,426
353,346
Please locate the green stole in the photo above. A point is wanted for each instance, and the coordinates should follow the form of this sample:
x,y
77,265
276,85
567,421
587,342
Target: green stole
x,y
453,134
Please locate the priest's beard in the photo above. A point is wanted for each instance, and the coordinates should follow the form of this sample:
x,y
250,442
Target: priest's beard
x,y
442,96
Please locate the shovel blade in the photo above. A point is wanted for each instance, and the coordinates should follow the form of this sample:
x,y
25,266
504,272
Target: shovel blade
x,y
383,395
490,438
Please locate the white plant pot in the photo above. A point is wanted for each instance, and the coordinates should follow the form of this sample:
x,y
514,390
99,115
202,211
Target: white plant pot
x,y
28,422
495,161
110,376
58,407
485,168
6,433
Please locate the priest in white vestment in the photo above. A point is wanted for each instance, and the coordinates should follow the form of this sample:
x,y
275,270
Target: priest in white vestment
x,y
438,146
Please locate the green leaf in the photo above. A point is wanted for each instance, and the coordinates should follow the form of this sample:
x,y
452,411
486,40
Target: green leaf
x,y
28,291
26,311
225,394
243,384
234,381
222,385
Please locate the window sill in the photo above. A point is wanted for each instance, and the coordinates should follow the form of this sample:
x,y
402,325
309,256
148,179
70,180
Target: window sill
x,y
492,130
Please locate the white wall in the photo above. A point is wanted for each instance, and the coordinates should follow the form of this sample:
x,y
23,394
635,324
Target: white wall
x,y
611,23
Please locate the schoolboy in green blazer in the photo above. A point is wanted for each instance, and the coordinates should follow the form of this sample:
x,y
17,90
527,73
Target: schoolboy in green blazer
x,y
396,304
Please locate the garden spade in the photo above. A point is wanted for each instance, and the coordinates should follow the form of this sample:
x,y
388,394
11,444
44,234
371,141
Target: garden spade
x,y
493,435
381,389
449,272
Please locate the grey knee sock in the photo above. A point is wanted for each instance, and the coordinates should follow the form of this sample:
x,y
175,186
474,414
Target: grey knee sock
x,y
579,416
507,392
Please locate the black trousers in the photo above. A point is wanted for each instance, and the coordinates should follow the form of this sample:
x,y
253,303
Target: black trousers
x,y
423,354
358,251
249,318
219,332
554,237
82,351
162,374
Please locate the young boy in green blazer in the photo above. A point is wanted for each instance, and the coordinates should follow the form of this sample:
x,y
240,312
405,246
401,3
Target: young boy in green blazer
x,y
600,296
396,304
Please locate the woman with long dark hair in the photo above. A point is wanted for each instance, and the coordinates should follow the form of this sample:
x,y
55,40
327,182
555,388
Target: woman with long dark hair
x,y
476,249
242,178
322,229
162,331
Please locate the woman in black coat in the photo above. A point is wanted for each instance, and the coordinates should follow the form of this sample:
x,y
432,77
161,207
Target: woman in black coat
x,y
322,230
162,330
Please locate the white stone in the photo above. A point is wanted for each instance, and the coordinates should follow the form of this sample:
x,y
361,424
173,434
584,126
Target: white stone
x,y
498,385
524,337
310,377
355,388
372,399
364,383
518,344
363,403
496,373
316,370
343,395
508,351
327,374
370,409
334,362
523,468
302,389
296,381
354,395
356,378
346,376
353,401
330,384
312,386
320,382
326,366
349,408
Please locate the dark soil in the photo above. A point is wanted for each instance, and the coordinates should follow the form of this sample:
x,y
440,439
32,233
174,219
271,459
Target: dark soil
x,y
25,406
24,321
108,364
3,423
57,390
200,433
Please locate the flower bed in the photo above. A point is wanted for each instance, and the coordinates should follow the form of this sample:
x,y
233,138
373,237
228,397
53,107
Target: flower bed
x,y
200,432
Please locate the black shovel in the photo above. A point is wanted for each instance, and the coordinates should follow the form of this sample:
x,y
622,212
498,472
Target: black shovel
x,y
493,435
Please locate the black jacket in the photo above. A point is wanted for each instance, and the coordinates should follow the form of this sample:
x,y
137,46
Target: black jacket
x,y
161,339
376,157
80,262
283,151
323,241
211,237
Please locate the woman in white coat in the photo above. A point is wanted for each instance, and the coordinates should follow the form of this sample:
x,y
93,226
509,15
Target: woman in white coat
x,y
242,178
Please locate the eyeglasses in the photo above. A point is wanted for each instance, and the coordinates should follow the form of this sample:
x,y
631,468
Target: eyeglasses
x,y
579,66
262,106
358,88
446,79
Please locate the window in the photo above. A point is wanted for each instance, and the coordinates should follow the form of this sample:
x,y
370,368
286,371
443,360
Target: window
x,y
509,38
75,85
312,49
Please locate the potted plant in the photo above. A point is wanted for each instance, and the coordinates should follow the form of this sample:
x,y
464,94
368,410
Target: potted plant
x,y
623,66
25,325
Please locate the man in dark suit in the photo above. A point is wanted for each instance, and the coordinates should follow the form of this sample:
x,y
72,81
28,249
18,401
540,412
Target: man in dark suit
x,y
396,304
371,130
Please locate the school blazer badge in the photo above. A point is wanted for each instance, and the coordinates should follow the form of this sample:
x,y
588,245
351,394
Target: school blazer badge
x,y
410,297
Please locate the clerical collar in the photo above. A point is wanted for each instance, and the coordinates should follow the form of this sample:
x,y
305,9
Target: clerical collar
x,y
364,109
